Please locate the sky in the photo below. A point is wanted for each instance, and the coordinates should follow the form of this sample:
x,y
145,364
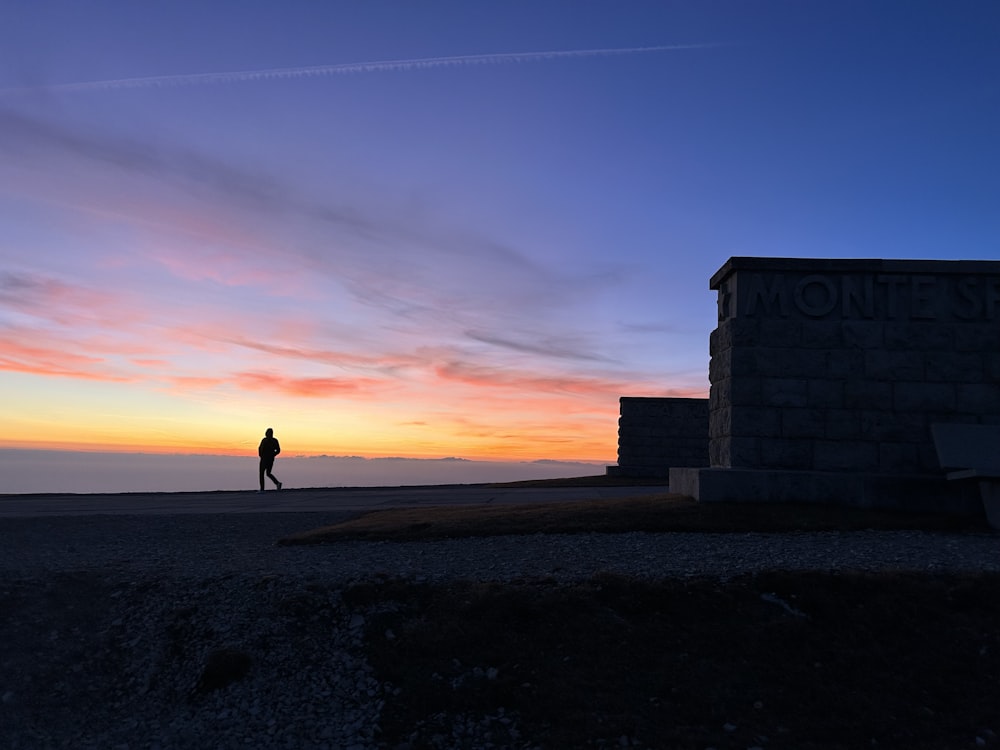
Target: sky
x,y
446,229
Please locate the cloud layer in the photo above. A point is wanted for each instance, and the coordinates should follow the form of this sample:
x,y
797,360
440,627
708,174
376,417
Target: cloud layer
x,y
222,283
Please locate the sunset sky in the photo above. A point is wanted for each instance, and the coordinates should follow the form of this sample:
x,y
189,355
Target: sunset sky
x,y
400,229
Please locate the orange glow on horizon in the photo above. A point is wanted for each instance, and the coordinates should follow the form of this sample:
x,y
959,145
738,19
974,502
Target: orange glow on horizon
x,y
584,451
492,416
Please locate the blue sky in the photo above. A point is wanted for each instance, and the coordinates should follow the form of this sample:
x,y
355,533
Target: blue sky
x,y
469,259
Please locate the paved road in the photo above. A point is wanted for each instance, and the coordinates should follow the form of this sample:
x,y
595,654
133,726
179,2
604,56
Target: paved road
x,y
297,500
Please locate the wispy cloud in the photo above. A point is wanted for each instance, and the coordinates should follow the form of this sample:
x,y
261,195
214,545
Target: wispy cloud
x,y
45,302
412,271
378,66
315,387
55,361
26,137
227,232
478,375
548,347
383,361
250,191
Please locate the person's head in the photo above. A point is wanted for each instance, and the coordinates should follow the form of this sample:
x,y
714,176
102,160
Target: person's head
x,y
269,432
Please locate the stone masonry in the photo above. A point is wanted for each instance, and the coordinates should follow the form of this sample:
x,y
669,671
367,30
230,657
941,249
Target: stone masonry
x,y
657,433
827,374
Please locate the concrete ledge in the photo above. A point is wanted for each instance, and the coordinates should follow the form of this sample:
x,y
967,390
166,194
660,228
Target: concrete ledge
x,y
891,492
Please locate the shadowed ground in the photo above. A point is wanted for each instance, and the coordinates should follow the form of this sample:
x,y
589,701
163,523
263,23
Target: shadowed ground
x,y
815,659
780,660
777,660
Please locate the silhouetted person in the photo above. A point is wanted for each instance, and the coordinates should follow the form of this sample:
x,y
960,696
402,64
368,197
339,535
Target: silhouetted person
x,y
269,448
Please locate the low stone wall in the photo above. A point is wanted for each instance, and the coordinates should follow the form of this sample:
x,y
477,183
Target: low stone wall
x,y
655,434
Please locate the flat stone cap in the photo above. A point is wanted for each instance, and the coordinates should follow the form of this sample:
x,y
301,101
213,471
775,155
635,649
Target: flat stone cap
x,y
854,265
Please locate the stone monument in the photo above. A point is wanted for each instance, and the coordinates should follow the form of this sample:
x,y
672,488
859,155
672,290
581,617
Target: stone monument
x,y
827,374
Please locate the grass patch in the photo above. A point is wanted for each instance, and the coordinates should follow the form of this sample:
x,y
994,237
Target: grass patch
x,y
649,513
782,660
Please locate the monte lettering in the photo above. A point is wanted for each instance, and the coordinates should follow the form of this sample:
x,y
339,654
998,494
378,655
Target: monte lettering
x,y
875,296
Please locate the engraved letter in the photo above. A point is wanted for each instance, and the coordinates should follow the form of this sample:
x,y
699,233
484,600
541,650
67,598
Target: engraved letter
x,y
821,302
922,298
724,299
969,304
992,297
862,297
757,290
892,283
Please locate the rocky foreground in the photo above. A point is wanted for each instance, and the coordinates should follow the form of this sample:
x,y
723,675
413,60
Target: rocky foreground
x,y
199,631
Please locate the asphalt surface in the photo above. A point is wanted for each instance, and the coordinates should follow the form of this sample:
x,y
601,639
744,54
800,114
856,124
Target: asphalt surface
x,y
348,499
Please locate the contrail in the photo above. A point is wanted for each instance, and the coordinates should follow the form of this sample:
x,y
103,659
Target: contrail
x,y
381,66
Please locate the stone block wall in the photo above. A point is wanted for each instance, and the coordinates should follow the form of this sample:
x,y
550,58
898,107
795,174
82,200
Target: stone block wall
x,y
655,434
842,365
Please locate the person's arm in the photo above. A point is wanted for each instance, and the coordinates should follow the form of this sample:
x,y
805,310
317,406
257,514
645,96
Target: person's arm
x,y
277,447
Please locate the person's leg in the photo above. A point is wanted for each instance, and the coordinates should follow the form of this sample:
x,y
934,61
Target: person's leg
x,y
265,468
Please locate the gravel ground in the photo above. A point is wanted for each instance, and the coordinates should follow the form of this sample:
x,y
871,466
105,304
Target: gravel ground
x,y
200,632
